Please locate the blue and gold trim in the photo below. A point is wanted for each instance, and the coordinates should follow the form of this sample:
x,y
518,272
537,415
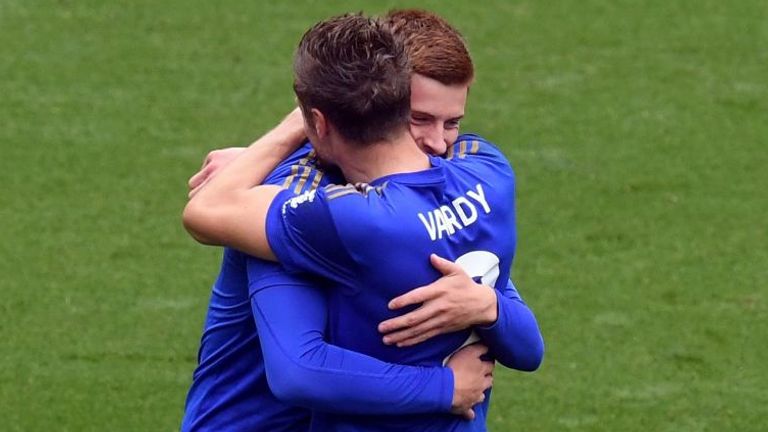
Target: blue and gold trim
x,y
301,172
337,191
462,148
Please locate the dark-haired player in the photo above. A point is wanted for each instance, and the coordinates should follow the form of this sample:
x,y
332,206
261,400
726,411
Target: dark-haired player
x,y
346,137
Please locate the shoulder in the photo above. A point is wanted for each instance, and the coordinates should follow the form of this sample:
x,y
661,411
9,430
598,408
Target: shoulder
x,y
473,149
473,144
299,172
473,153
334,204
350,204
304,233
357,211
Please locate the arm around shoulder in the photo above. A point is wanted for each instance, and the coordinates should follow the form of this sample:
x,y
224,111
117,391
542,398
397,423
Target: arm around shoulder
x,y
231,208
237,220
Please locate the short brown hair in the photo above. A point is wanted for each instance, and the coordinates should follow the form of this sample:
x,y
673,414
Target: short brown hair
x,y
435,48
353,70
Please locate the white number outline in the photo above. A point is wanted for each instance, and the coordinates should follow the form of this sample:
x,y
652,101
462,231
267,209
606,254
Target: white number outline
x,y
482,264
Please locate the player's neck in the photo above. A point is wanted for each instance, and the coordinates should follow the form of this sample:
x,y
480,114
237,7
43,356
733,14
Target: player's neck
x,y
395,156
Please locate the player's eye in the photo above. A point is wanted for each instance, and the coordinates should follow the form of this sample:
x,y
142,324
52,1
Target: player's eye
x,y
452,124
419,120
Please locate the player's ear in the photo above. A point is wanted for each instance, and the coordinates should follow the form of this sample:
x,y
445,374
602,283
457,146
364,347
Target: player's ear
x,y
320,123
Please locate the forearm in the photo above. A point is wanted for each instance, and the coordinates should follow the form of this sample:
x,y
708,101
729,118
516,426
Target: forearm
x,y
514,339
303,369
256,162
215,214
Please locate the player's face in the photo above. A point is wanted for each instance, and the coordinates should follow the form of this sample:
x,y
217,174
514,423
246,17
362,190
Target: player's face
x,y
436,110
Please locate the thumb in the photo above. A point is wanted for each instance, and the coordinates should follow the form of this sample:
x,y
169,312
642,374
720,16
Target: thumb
x,y
199,177
444,266
469,414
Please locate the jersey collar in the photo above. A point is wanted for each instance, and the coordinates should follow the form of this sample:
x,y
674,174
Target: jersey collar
x,y
428,177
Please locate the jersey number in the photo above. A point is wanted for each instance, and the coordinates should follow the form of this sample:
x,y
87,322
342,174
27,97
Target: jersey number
x,y
483,265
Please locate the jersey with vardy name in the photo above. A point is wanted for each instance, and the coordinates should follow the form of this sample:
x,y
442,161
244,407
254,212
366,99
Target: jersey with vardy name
x,y
230,391
374,242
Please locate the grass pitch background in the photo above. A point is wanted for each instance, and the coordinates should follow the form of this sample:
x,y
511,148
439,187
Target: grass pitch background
x,y
637,129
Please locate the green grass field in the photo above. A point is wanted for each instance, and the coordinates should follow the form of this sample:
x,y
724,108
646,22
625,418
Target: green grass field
x,y
638,131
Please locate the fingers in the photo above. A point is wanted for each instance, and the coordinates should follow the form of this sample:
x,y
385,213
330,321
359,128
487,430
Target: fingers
x,y
197,189
196,180
469,414
474,350
411,337
433,326
443,265
214,161
427,292
409,320
208,158
419,338
415,296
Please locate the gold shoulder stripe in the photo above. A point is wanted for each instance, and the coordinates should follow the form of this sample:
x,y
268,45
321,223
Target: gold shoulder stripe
x,y
462,149
475,146
449,155
302,179
337,187
306,159
316,181
289,179
341,193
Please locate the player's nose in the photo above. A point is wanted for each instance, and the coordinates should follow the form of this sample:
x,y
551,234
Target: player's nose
x,y
433,143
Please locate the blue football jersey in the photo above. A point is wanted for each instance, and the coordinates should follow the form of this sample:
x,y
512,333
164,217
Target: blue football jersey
x,y
374,241
240,371
229,389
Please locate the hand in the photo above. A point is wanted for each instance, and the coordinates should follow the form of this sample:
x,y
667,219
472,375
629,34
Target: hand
x,y
453,302
291,127
471,378
212,164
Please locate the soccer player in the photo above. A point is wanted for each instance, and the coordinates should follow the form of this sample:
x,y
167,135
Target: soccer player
x,y
457,302
345,135
230,389
230,378
442,72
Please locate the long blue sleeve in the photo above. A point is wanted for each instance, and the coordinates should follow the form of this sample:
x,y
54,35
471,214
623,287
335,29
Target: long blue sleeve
x,y
302,369
514,339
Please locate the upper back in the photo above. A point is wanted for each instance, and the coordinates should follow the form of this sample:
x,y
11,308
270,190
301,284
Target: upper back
x,y
374,240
